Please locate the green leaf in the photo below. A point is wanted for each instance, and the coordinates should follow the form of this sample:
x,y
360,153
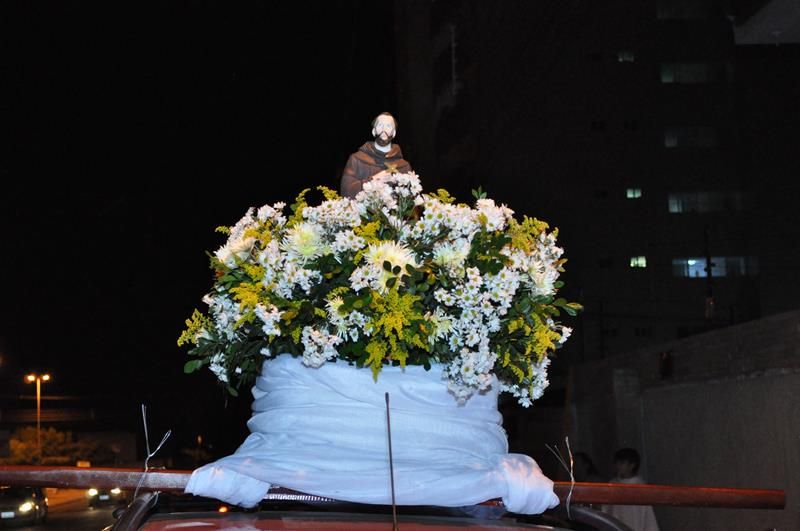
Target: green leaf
x,y
387,265
396,270
479,193
391,282
192,365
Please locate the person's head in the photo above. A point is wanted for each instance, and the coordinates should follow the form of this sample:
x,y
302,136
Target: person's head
x,y
626,461
384,127
584,467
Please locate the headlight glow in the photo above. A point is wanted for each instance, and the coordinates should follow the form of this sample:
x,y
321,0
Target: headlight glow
x,y
115,490
25,507
92,492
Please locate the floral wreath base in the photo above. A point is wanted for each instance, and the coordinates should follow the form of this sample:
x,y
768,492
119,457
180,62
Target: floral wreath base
x,y
392,277
323,431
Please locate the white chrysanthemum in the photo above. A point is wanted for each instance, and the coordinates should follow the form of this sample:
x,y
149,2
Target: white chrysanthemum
x,y
225,314
543,278
526,395
304,242
242,225
293,275
442,324
470,372
334,213
452,255
270,317
397,254
235,250
272,212
318,347
565,333
376,194
347,241
407,184
347,324
495,216
216,366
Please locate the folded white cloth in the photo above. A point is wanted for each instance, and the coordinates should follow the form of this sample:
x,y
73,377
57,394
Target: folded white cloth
x,y
323,431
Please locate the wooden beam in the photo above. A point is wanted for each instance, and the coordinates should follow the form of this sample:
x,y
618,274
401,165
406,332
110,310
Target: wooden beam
x,y
585,493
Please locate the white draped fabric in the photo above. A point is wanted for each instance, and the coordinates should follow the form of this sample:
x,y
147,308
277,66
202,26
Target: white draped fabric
x,y
323,431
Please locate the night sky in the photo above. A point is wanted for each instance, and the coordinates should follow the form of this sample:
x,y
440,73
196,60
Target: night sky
x,y
134,132
131,131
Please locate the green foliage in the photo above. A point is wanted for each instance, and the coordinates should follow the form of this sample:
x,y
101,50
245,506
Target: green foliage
x,y
385,298
58,448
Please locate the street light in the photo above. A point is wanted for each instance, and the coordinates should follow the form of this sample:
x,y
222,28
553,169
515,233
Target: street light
x,y
38,378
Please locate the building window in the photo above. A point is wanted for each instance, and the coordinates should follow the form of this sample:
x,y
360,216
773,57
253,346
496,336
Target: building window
x,y
633,193
701,202
638,261
721,266
626,56
685,9
688,73
605,262
690,137
631,125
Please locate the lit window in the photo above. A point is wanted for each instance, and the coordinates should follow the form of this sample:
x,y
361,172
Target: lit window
x,y
638,261
690,137
626,56
687,73
721,266
633,193
727,201
684,9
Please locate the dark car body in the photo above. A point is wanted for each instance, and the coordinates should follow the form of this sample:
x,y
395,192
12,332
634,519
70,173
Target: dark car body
x,y
99,497
160,512
22,504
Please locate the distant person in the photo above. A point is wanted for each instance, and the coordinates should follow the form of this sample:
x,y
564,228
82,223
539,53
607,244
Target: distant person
x,y
637,517
374,159
584,470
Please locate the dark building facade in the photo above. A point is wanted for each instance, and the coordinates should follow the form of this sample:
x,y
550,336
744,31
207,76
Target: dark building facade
x,y
630,127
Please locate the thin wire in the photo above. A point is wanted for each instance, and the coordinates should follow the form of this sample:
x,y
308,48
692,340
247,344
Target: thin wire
x,y
149,453
391,464
570,469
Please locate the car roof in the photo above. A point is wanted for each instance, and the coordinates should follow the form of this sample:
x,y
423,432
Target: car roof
x,y
325,521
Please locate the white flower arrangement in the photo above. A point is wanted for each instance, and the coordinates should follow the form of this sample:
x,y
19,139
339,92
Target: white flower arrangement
x,y
392,276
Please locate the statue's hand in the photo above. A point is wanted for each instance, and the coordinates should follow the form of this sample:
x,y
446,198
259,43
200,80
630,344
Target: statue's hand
x,y
381,174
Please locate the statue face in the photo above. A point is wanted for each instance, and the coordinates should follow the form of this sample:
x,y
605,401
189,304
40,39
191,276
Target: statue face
x,y
384,130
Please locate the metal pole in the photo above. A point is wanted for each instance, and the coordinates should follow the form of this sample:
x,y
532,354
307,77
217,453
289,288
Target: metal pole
x,y
39,418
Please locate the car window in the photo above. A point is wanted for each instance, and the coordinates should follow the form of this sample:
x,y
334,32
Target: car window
x,y
15,492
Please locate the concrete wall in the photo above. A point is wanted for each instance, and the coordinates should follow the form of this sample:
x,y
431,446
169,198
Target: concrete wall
x,y
736,433
715,409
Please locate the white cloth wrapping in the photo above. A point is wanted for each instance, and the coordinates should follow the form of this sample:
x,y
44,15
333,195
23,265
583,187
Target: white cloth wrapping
x,y
323,431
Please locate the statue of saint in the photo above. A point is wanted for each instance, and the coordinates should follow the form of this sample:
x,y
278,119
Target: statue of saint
x,y
377,158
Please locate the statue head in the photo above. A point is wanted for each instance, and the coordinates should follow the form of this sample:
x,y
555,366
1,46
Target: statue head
x,y
384,127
